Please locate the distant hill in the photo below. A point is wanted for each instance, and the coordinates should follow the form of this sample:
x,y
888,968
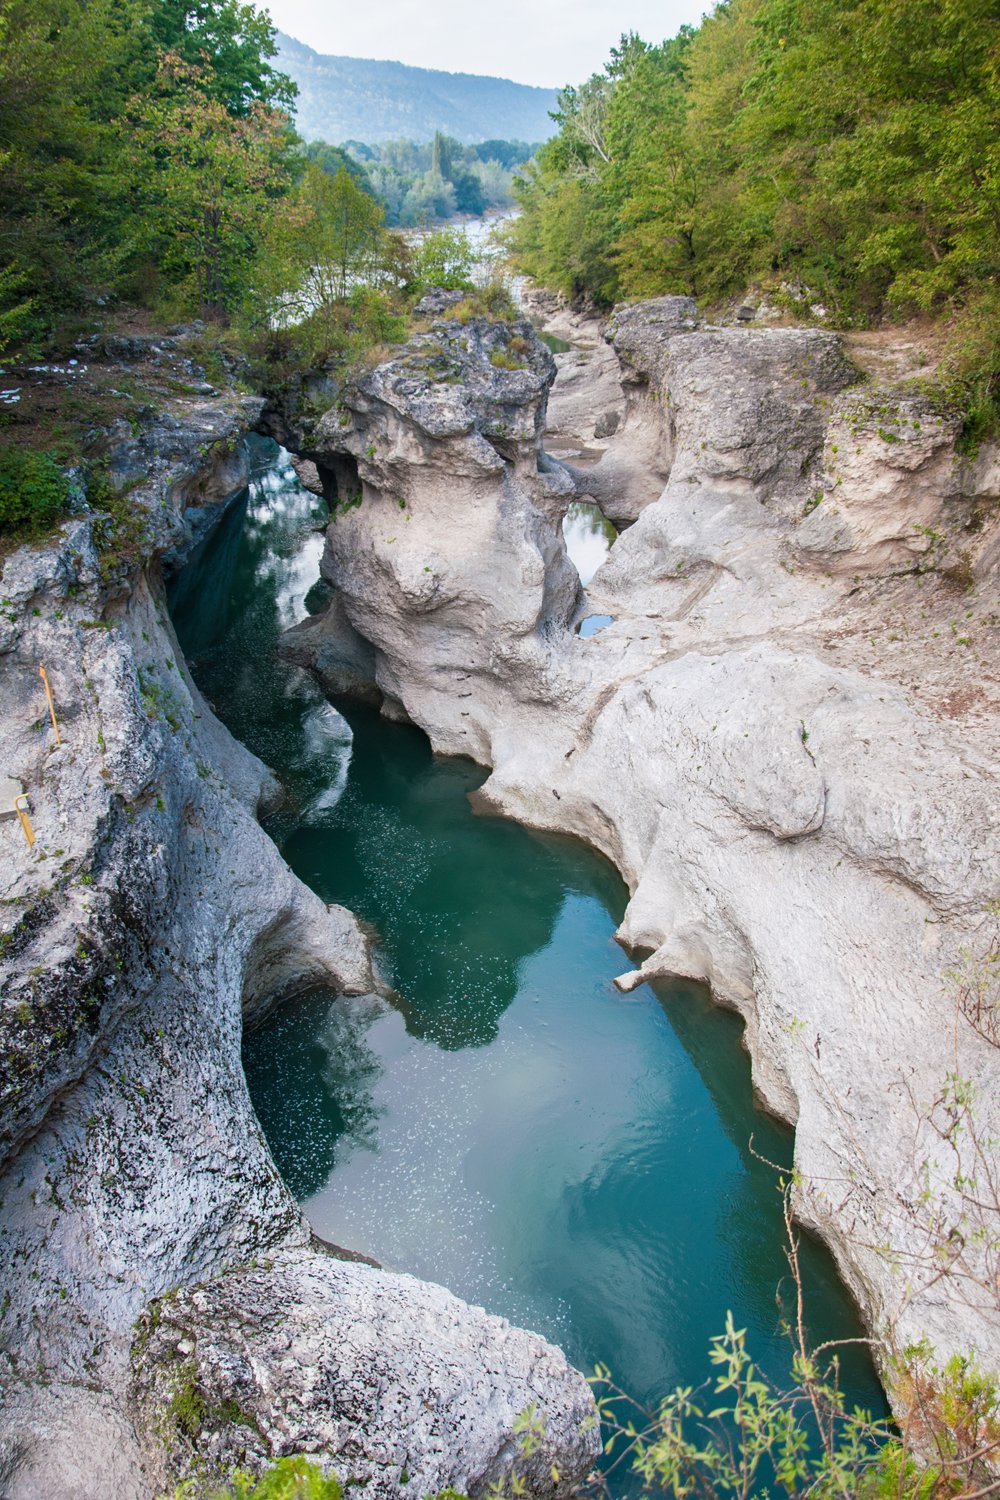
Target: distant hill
x,y
354,98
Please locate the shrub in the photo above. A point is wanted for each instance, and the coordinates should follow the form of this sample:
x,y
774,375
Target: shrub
x,y
445,259
295,1478
501,360
34,493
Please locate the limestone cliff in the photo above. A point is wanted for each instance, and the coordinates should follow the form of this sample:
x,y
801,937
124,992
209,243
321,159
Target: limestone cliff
x,y
784,739
164,1308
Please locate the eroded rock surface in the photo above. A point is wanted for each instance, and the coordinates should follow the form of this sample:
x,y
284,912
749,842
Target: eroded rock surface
x,y
785,740
151,917
415,1392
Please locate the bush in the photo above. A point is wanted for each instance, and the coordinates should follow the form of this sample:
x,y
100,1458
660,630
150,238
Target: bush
x,y
972,369
446,260
295,1478
34,494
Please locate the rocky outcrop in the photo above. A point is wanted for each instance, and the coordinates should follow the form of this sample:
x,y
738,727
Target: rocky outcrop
x,y
783,740
459,517
151,918
411,1389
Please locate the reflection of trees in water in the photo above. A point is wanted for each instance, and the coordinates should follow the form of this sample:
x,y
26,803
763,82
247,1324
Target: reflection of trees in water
x,y
589,536
200,594
459,901
229,606
312,1078
590,520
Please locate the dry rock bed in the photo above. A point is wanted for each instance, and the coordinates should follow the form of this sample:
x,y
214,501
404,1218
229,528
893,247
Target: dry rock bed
x,y
164,1310
785,740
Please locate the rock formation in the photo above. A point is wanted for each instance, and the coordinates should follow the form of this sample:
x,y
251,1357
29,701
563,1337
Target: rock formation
x,y
784,740
165,1310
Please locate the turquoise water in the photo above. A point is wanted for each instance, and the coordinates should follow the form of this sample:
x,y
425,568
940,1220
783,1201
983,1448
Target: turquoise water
x,y
508,1124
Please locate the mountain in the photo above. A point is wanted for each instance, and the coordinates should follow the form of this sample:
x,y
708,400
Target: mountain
x,y
355,98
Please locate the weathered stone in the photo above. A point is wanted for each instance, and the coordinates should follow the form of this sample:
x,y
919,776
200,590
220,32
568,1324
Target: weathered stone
x,y
805,813
412,1390
152,921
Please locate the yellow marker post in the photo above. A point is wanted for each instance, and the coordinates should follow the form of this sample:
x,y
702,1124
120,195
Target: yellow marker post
x,y
52,708
21,808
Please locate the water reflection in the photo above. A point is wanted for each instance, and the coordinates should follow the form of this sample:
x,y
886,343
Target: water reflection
x,y
589,537
459,901
324,1110
510,1125
247,582
594,624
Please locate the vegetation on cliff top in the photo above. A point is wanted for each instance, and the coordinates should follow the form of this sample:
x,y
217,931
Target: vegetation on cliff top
x,y
142,146
148,166
838,152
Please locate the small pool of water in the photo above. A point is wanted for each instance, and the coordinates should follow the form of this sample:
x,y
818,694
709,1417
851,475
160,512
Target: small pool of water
x,y
509,1124
593,624
589,537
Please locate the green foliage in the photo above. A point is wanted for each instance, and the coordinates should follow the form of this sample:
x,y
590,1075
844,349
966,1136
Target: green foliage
x,y
234,40
330,159
297,1478
501,360
740,1433
492,301
186,1408
327,238
205,181
848,145
420,183
751,1433
34,492
445,259
141,144
121,532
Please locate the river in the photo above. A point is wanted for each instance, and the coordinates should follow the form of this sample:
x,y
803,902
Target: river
x,y
585,1163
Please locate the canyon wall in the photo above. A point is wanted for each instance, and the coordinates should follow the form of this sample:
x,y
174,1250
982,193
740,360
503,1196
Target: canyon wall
x,y
165,1312
785,739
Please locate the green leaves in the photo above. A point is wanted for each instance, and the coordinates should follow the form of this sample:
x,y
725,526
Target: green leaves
x,y
34,493
141,147
849,145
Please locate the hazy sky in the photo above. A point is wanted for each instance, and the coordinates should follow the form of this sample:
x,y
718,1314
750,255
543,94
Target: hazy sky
x,y
551,42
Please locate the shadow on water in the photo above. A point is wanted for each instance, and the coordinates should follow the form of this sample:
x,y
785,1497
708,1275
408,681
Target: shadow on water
x,y
510,1125
459,901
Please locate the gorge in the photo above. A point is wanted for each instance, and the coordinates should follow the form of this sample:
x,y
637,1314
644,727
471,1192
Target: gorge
x,y
804,822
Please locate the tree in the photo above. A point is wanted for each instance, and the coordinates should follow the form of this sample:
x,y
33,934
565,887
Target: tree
x,y
102,144
332,158
232,43
207,182
441,155
328,238
445,259
61,193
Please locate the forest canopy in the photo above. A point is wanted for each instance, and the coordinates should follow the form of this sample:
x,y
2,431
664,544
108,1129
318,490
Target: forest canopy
x,y
419,183
848,146
142,146
147,156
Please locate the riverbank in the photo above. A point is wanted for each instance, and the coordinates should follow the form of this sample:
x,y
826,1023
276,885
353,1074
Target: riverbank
x,y
776,739
161,1265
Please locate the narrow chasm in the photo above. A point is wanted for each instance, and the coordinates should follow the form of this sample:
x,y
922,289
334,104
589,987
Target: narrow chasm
x,y
502,1121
